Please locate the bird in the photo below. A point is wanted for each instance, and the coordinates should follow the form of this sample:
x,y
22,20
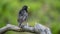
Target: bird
x,y
22,15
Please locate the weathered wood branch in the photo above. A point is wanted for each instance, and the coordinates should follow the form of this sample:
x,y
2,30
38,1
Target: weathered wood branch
x,y
38,28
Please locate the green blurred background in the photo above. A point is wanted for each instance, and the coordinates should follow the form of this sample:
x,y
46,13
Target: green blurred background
x,y
46,12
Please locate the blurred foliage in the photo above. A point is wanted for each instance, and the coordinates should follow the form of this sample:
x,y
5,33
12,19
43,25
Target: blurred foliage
x,y
46,12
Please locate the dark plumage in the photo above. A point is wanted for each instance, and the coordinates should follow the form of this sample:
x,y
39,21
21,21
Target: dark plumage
x,y
23,14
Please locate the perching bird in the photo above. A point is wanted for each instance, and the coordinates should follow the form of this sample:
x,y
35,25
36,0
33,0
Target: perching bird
x,y
23,14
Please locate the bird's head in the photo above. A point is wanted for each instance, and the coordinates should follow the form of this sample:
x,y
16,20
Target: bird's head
x,y
25,7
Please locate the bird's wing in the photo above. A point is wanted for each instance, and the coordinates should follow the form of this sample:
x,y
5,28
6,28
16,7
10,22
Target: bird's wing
x,y
23,15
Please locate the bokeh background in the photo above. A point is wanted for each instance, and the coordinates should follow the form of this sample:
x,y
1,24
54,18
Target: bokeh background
x,y
46,12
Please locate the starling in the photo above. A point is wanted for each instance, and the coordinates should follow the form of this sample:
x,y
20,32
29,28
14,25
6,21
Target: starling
x,y
23,14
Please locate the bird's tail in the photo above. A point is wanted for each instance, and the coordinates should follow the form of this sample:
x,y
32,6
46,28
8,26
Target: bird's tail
x,y
19,24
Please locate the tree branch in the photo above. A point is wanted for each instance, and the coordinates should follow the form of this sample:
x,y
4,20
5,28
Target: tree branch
x,y
38,28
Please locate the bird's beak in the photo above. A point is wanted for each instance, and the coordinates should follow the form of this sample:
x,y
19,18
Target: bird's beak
x,y
28,7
